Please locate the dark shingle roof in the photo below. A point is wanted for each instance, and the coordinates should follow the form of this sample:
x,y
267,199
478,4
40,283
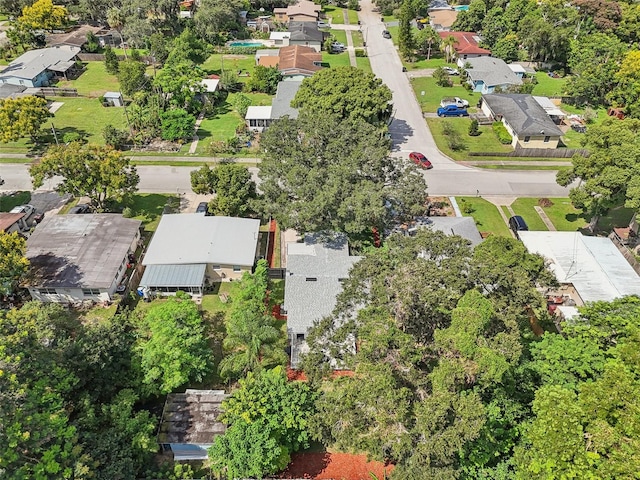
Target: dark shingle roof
x,y
281,104
522,113
306,31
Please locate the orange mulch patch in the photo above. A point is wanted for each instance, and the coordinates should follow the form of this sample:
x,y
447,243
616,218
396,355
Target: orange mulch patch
x,y
336,466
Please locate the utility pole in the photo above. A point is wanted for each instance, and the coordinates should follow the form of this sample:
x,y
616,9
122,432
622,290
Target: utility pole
x,y
126,115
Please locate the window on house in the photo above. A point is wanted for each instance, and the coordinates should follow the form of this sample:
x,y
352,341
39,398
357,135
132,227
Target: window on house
x,y
526,139
90,291
546,139
48,291
237,268
299,336
216,267
311,279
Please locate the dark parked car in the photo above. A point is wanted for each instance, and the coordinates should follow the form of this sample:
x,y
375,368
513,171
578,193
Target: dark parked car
x,y
80,208
386,34
203,207
420,160
517,224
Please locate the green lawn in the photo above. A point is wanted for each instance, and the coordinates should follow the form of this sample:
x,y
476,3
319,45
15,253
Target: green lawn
x,y
430,101
217,61
339,35
7,202
148,208
333,13
93,82
357,38
393,30
485,142
336,59
212,303
485,214
434,61
564,216
524,208
549,87
353,16
85,116
222,125
364,64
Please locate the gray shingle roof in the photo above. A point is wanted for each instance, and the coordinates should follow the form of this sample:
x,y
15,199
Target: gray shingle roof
x,y
522,113
492,71
464,227
82,251
281,104
306,31
190,238
307,300
31,63
8,90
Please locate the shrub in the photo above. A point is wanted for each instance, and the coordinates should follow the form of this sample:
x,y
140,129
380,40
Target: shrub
x,y
114,137
456,143
466,207
474,131
127,212
545,203
447,128
589,115
502,133
111,62
360,52
177,125
353,5
241,104
442,78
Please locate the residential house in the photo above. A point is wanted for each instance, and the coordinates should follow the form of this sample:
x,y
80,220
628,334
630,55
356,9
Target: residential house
x,y
279,39
190,422
485,74
259,118
295,62
467,45
592,266
551,108
302,11
306,34
441,20
518,69
13,222
37,68
80,257
316,269
76,37
524,118
190,250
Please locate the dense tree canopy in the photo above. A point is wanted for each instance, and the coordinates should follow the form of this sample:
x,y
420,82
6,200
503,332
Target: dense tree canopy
x,y
319,173
232,184
610,175
345,92
43,15
22,117
269,418
174,347
13,263
100,173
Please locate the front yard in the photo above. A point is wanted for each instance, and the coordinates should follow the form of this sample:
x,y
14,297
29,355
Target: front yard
x,y
433,93
485,214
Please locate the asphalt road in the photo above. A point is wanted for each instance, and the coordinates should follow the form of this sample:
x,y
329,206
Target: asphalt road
x,y
409,131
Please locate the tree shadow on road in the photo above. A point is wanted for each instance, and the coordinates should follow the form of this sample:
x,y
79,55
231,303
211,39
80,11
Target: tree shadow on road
x,y
400,132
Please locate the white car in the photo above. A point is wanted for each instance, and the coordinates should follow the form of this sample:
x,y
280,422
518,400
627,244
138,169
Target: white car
x,y
28,210
451,71
323,25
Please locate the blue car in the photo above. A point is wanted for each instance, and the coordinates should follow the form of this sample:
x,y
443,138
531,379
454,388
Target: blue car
x,y
452,111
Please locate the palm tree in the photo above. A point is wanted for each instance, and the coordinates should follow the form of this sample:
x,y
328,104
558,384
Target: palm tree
x,y
115,19
447,47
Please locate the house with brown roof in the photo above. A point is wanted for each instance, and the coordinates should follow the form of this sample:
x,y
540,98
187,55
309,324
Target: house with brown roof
x,y
303,11
13,222
296,62
467,45
441,20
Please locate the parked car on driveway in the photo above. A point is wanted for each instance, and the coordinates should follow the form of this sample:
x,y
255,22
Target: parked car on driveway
x,y
386,34
78,209
451,71
452,111
203,207
28,210
460,102
517,224
420,160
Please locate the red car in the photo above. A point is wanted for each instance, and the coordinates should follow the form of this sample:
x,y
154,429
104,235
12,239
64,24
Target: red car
x,y
420,160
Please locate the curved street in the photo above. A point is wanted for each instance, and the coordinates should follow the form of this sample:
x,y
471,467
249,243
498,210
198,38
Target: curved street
x,y
409,131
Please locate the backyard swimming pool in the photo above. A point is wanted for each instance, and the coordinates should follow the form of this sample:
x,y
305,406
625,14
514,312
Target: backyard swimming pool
x,y
461,8
245,44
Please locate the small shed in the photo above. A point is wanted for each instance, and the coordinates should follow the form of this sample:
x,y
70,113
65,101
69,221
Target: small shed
x,y
114,99
190,423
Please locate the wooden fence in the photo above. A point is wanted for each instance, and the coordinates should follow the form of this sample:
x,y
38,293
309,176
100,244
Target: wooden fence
x,y
99,57
59,92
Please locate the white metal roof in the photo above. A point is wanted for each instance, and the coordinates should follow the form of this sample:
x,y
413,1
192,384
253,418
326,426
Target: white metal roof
x,y
279,35
258,113
174,275
594,265
549,106
210,84
191,238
